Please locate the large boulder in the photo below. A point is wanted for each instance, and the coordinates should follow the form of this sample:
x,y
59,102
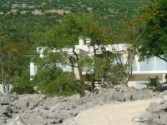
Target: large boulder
x,y
129,93
156,114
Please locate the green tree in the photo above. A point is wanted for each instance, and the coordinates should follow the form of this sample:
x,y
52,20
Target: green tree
x,y
10,53
67,33
155,31
51,80
22,84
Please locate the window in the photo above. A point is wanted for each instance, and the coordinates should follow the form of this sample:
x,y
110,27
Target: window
x,y
147,65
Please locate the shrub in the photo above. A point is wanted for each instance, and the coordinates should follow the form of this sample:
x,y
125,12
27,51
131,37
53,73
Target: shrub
x,y
63,85
154,84
53,81
22,85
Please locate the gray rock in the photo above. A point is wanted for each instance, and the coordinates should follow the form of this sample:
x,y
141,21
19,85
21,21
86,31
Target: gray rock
x,y
52,101
155,107
36,109
162,94
17,121
5,100
152,108
1,94
62,115
5,111
70,121
29,101
158,118
124,93
13,97
63,106
58,116
48,114
157,113
119,96
2,120
137,96
121,88
147,94
77,99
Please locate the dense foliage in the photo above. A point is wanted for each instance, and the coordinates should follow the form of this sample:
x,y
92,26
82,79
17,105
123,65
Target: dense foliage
x,y
154,38
17,16
51,80
10,55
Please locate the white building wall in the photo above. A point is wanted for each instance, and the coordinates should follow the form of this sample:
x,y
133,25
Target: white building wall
x,y
152,66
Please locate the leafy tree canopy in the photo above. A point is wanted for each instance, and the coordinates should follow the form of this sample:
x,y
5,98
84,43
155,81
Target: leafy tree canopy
x,y
10,59
154,42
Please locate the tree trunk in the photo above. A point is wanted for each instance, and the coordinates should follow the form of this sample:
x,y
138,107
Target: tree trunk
x,y
93,82
72,63
79,71
72,67
81,80
94,72
6,88
130,59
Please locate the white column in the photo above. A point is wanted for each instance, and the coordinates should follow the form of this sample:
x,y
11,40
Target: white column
x,y
33,70
155,65
137,63
81,42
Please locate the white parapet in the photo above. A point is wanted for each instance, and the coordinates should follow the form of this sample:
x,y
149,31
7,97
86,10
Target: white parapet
x,y
40,51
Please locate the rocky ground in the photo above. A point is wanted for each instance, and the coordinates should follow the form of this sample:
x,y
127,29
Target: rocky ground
x,y
127,113
156,112
38,109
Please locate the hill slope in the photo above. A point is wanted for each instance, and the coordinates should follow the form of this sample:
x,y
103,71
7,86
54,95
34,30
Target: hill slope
x,y
25,16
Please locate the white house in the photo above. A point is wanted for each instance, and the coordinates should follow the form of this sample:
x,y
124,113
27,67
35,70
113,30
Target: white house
x,y
141,71
82,49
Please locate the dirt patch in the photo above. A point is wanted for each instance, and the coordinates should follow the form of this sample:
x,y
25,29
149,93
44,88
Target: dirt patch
x,y
116,114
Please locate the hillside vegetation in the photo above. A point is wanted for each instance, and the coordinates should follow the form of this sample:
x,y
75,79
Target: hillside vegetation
x,y
25,16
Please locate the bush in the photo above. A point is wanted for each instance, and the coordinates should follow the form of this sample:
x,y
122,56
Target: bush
x,y
117,74
22,85
53,81
23,90
63,85
154,84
